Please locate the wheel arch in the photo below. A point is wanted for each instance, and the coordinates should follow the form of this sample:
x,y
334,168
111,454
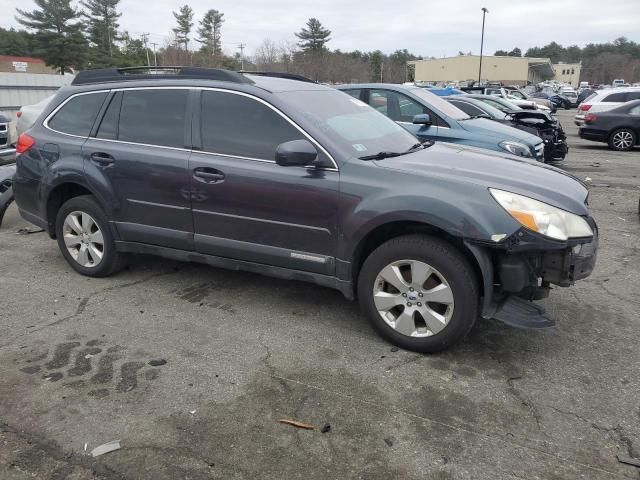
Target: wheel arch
x,y
393,229
61,193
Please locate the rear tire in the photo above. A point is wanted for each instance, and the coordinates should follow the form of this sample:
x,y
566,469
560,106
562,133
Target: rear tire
x,y
422,314
622,139
85,239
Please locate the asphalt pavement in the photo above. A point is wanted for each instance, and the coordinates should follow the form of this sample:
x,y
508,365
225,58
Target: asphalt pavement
x,y
191,368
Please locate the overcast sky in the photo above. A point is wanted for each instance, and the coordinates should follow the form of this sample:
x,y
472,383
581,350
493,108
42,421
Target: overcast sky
x,y
428,28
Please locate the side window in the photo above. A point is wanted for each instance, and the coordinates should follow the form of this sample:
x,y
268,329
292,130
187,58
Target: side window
x,y
467,108
633,96
409,108
378,99
77,116
243,127
396,106
615,97
354,93
635,110
153,117
109,125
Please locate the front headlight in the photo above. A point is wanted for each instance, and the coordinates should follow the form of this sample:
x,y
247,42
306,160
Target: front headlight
x,y
516,148
541,217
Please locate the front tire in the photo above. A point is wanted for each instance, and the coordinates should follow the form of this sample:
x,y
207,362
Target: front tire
x,y
622,139
419,293
85,238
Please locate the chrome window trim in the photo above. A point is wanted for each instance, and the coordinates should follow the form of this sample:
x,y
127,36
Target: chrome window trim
x,y
214,89
46,121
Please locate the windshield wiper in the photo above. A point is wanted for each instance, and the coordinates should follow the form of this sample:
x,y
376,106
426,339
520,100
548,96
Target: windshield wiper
x,y
380,156
413,148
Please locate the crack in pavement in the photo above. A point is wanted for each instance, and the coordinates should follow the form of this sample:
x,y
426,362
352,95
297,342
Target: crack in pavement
x,y
82,305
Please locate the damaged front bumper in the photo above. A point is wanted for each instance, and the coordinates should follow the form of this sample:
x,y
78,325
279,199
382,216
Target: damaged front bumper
x,y
525,270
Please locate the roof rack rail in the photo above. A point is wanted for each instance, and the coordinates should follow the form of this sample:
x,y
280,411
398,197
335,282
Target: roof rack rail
x,y
156,73
289,76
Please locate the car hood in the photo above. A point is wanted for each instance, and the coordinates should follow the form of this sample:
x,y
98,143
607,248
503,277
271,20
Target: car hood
x,y
462,164
498,131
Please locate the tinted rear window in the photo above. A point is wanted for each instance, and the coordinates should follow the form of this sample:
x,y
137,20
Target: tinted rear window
x,y
77,116
615,97
153,117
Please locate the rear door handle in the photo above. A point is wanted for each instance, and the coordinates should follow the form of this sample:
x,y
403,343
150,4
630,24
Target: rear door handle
x,y
102,159
209,175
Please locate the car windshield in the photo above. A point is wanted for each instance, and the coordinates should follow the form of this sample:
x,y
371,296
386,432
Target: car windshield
x,y
350,123
439,104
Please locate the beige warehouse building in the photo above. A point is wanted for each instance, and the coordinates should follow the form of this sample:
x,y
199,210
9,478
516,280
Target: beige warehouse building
x,y
508,70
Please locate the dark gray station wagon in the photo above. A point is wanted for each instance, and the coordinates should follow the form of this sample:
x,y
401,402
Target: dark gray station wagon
x,y
296,180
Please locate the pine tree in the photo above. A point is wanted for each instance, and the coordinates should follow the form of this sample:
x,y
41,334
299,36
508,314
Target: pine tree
x,y
314,37
102,18
210,33
184,19
58,33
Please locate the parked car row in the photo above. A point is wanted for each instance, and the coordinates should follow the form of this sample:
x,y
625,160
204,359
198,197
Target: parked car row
x,y
297,180
430,117
538,123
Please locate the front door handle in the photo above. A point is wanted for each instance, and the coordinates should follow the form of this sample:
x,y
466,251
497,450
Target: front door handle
x,y
208,175
102,159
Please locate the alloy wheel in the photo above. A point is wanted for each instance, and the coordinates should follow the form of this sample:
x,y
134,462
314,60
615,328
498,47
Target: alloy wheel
x,y
413,298
83,239
622,140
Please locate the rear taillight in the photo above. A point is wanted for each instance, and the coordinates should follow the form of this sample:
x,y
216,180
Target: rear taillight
x,y
25,142
590,117
18,114
584,108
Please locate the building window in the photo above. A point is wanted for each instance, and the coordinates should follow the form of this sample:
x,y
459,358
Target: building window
x,y
573,71
564,72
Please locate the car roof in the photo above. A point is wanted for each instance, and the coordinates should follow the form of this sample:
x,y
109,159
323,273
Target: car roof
x,y
272,82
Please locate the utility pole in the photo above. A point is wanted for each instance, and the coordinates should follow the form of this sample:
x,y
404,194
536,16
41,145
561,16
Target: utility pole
x,y
484,12
381,71
145,37
241,47
155,58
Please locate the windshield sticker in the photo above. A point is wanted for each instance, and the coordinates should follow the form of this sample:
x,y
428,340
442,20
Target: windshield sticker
x,y
359,147
360,103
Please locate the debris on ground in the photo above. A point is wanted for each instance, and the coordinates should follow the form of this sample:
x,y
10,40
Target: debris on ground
x,y
394,349
28,231
295,423
193,412
325,428
389,441
157,363
629,460
106,448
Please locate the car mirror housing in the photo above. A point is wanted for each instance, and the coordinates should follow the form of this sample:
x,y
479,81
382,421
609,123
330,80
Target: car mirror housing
x,y
422,119
296,153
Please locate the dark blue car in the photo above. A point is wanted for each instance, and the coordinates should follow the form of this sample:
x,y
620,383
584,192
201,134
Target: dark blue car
x,y
439,120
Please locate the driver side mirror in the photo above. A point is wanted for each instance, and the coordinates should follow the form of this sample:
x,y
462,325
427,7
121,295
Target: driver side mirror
x,y
422,119
296,153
